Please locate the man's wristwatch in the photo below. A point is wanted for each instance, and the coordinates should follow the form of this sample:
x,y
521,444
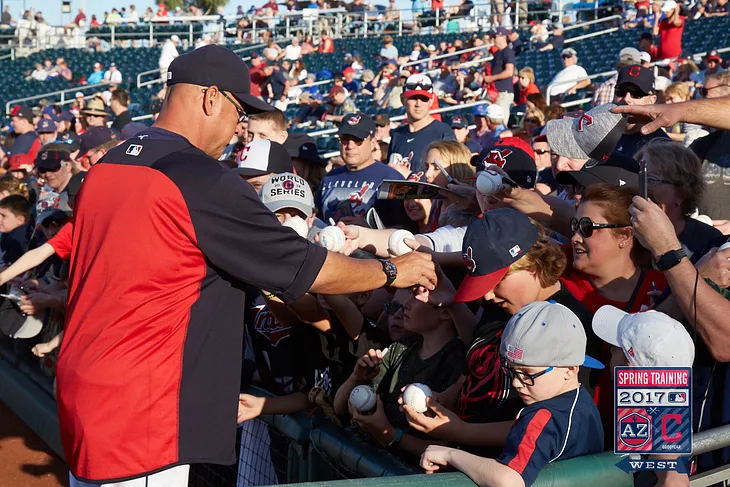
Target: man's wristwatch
x,y
390,271
670,259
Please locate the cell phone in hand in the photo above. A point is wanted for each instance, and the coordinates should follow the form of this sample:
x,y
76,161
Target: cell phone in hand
x,y
13,298
643,181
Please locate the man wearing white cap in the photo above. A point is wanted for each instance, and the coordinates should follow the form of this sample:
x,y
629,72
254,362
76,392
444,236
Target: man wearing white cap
x,y
564,83
669,30
168,54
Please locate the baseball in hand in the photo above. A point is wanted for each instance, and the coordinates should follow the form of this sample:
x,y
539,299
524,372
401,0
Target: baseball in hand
x,y
415,396
489,182
363,398
332,238
298,224
397,244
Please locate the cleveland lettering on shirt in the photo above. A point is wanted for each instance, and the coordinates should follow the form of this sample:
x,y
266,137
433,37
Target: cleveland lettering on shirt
x,y
359,188
409,148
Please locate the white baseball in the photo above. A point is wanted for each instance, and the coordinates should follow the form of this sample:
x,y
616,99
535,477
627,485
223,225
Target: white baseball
x,y
332,238
298,224
397,244
415,396
363,398
489,182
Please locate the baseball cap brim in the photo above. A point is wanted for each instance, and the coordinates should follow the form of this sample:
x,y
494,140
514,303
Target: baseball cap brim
x,y
412,93
592,363
251,103
475,287
605,324
560,137
250,172
583,178
297,205
347,129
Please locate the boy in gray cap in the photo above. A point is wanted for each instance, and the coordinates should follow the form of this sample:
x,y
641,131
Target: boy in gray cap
x,y
543,346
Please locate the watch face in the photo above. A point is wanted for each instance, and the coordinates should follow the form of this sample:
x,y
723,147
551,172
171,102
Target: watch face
x,y
390,270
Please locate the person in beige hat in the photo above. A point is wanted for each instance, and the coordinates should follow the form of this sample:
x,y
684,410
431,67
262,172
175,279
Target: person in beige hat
x,y
95,113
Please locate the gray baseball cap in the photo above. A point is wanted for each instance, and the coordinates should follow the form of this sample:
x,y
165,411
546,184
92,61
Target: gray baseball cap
x,y
546,333
629,56
287,190
591,135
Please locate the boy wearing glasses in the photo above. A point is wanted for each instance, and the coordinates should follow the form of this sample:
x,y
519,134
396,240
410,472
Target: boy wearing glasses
x,y
542,349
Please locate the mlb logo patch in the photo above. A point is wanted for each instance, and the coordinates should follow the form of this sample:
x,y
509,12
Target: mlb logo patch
x,y
515,251
133,150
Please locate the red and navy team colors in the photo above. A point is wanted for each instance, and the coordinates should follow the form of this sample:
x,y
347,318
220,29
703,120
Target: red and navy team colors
x,y
559,428
149,370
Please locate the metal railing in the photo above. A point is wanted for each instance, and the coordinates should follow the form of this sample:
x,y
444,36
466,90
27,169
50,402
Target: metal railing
x,y
592,34
62,93
612,72
444,56
579,25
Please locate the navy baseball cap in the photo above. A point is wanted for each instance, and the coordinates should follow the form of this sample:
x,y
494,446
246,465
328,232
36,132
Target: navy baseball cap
x,y
22,112
132,129
491,245
214,65
639,76
72,139
46,126
618,169
93,138
66,116
514,160
459,122
51,160
358,125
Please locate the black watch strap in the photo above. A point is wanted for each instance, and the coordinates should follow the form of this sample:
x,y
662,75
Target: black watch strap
x,y
670,259
390,272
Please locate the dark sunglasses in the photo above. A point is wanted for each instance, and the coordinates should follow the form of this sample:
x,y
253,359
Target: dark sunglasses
x,y
531,120
525,378
242,115
540,152
585,226
392,307
622,92
421,85
703,91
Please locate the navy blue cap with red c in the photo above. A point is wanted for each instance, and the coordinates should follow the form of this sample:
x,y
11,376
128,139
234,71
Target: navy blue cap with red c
x,y
214,65
492,244
358,125
51,160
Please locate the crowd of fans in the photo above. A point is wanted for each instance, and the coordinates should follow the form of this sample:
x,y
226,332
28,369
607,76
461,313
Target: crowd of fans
x,y
532,277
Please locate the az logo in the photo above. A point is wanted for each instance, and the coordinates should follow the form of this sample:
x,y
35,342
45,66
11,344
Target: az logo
x,y
634,430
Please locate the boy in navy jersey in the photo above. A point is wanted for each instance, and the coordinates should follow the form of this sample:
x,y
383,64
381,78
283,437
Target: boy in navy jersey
x,y
543,346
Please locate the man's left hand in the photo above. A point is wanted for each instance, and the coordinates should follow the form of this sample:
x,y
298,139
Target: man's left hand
x,y
652,227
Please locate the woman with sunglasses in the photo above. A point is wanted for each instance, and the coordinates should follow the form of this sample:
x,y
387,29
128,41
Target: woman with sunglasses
x,y
479,411
677,186
608,266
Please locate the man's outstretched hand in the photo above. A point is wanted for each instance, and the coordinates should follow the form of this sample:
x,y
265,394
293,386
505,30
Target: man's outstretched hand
x,y
653,116
415,269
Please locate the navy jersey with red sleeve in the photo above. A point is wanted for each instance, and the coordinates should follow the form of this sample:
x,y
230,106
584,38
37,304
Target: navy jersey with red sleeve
x,y
558,428
163,240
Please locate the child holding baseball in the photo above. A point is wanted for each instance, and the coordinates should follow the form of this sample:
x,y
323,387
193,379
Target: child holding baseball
x,y
543,346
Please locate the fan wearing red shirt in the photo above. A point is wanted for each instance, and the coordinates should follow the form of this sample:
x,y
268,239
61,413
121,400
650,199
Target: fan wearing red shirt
x,y
670,30
606,267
